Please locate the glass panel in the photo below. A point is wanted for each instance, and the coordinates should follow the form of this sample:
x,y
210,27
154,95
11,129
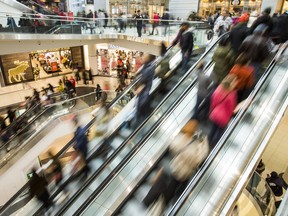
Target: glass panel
x,y
261,192
52,24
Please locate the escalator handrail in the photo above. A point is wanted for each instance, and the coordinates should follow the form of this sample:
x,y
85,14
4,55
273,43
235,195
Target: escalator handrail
x,y
44,110
192,184
144,139
86,128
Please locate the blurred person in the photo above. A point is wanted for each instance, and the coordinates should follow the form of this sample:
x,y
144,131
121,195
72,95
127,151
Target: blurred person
x,y
44,99
73,81
60,86
11,114
147,72
38,187
98,91
245,76
239,32
264,19
223,58
165,21
68,86
188,152
139,22
143,88
155,23
81,145
11,22
223,23
205,89
163,69
101,21
256,48
276,183
223,102
2,123
278,33
36,95
50,87
103,118
56,171
186,42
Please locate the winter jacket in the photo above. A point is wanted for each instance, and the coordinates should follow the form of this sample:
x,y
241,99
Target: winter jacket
x,y
237,36
256,47
265,19
224,59
223,103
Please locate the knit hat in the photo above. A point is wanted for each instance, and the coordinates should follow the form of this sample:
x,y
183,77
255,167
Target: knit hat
x,y
243,18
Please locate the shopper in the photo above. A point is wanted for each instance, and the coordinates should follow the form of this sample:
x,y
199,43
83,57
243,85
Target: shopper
x,y
186,41
139,22
223,103
223,58
223,23
245,76
38,188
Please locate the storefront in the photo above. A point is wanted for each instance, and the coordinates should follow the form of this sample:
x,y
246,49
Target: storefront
x,y
145,6
233,6
109,57
41,64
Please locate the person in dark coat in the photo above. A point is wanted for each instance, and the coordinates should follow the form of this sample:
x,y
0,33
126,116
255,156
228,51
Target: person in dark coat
x,y
11,114
239,33
38,188
143,89
284,32
139,22
255,47
264,19
81,144
185,39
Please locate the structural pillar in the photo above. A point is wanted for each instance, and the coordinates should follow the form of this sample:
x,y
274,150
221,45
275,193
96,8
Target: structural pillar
x,y
91,61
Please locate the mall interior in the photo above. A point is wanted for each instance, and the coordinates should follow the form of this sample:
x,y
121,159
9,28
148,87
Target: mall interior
x,y
73,72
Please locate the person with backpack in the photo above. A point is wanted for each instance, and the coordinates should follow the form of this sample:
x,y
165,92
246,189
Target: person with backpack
x,y
186,42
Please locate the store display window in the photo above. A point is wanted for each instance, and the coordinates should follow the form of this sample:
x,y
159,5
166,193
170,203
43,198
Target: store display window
x,y
112,62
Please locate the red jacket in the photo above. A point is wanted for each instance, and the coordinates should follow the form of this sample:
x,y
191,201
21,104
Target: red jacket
x,y
223,103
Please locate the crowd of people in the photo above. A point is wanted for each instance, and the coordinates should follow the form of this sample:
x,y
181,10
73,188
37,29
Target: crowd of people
x,y
238,62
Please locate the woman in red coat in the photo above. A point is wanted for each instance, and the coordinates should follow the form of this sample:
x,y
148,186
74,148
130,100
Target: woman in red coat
x,y
223,103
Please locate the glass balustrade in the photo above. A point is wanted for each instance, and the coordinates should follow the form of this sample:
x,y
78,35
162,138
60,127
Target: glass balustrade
x,y
48,24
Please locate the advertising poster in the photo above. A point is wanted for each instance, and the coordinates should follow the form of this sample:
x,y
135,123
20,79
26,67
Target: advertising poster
x,y
16,68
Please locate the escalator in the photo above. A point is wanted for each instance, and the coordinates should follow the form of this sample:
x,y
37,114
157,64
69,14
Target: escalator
x,y
133,144
227,170
123,99
119,138
124,187
29,128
